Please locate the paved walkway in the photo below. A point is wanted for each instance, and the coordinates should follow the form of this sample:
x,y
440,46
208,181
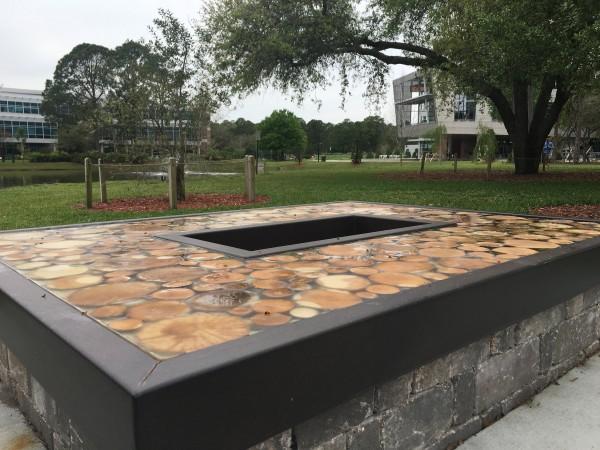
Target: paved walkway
x,y
565,416
15,433
562,417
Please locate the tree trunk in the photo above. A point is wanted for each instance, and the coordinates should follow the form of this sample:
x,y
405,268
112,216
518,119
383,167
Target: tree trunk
x,y
527,154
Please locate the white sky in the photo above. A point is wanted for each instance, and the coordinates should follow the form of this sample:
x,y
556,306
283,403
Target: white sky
x,y
35,34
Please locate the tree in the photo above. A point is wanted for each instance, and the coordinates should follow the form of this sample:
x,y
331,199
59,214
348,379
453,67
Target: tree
x,y
79,88
526,57
318,136
371,133
436,135
281,133
485,147
21,137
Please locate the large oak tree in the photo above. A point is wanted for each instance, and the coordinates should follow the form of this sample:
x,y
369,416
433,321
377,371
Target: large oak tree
x,y
527,57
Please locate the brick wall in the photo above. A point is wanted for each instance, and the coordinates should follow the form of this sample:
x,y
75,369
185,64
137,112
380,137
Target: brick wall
x,y
435,406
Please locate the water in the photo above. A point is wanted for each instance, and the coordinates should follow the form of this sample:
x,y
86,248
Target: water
x,y
11,179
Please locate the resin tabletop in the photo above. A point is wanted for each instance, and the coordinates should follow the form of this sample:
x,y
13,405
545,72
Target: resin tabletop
x,y
170,298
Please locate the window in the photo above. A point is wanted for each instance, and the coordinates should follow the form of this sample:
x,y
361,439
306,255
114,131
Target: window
x,y
464,107
19,107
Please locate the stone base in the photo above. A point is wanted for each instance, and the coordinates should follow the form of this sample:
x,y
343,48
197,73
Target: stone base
x,y
439,405
436,406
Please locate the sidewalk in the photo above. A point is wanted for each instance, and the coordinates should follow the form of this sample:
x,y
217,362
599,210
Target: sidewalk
x,y
15,433
565,416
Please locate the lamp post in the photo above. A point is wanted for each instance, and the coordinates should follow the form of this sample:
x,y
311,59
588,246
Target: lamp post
x,y
319,152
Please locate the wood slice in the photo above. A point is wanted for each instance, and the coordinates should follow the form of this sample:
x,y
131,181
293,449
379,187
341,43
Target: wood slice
x,y
241,311
531,237
177,284
525,243
336,270
206,287
305,266
278,293
472,248
223,277
434,276
159,310
281,258
187,334
57,271
75,282
65,244
350,262
260,264
516,251
366,295
146,263
221,264
441,252
451,270
402,266
363,270
32,265
270,320
343,282
303,313
167,274
125,324
205,256
415,258
221,299
106,294
342,250
107,312
272,306
328,299
466,263
383,289
398,279
269,284
270,274
173,294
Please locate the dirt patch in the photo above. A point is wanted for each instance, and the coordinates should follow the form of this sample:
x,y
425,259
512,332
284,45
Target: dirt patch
x,y
193,201
589,212
500,175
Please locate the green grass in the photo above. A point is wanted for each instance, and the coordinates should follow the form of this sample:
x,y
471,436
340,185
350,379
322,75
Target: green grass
x,y
288,183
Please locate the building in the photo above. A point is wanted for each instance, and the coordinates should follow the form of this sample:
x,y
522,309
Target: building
x,y
419,111
20,109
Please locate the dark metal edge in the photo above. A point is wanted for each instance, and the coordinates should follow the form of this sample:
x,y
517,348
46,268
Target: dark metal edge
x,y
88,370
184,237
263,384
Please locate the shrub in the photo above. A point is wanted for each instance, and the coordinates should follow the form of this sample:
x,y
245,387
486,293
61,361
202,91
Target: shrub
x,y
37,157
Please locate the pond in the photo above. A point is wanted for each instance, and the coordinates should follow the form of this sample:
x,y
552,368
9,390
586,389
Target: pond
x,y
26,178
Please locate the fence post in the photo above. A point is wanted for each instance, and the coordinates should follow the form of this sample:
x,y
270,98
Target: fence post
x,y
250,176
172,183
87,164
102,181
422,169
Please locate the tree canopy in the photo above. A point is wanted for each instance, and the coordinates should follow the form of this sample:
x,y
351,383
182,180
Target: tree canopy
x,y
526,57
282,133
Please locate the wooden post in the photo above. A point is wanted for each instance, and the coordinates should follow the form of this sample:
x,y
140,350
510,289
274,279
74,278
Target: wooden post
x,y
250,177
172,183
489,167
87,164
102,181
455,158
422,169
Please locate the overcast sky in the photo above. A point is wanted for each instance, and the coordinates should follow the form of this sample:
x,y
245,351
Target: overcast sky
x,y
34,34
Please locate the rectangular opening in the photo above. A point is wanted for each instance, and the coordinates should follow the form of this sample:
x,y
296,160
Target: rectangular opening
x,y
260,240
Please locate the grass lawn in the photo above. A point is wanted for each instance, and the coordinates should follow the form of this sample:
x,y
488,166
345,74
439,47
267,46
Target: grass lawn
x,y
287,183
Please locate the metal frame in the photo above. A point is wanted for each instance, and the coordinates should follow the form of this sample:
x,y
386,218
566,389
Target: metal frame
x,y
186,237
239,393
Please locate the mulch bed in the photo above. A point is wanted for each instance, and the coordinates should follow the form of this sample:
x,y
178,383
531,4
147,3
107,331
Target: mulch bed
x,y
500,175
589,212
193,201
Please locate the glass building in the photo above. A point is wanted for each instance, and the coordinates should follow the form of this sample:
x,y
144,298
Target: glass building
x,y
21,119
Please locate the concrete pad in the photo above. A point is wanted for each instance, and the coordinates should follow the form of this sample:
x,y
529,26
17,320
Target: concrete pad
x,y
562,417
15,432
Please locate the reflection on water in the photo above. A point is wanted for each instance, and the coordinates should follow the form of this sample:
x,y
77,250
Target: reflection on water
x,y
8,179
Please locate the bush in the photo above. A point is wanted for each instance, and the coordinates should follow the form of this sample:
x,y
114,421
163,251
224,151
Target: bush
x,y
111,158
37,157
